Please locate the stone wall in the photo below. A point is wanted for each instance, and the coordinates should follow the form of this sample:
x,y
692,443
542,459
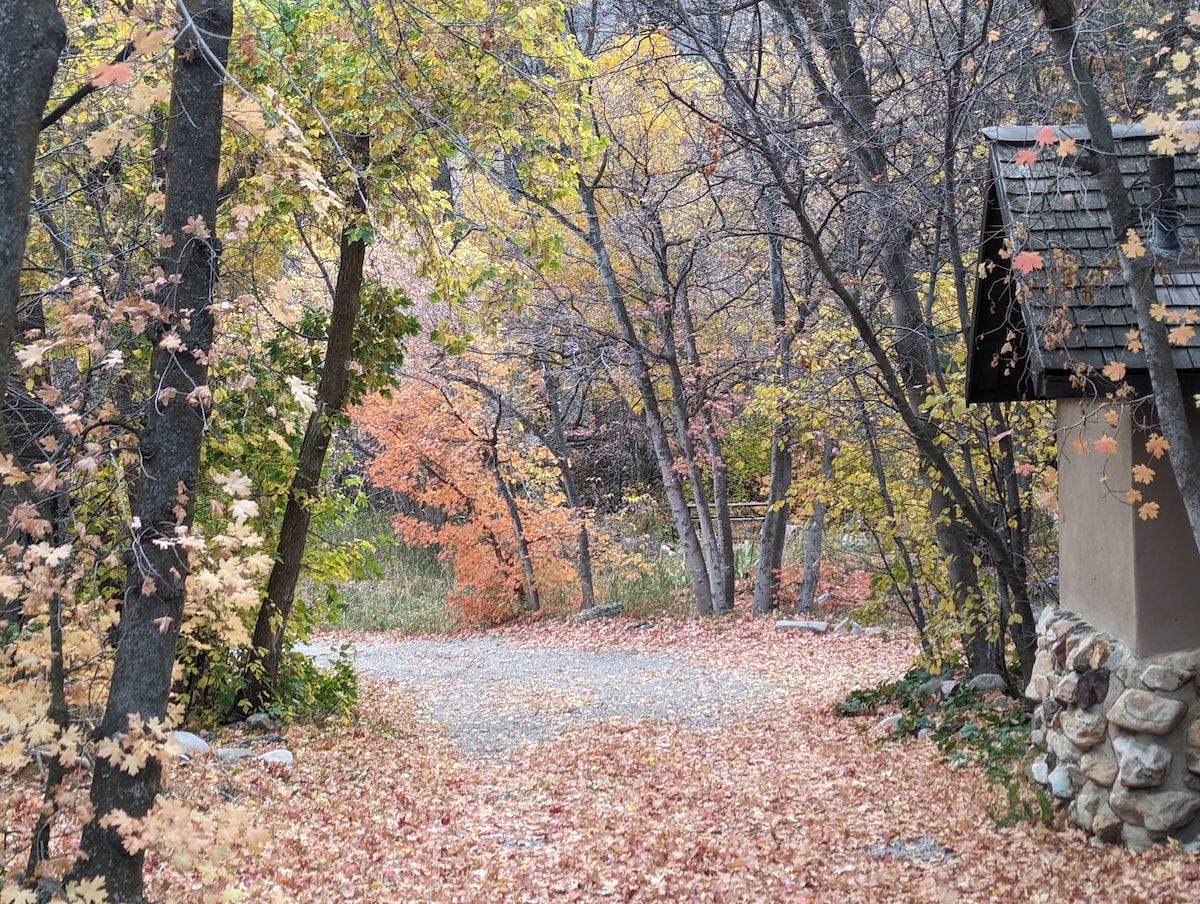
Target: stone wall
x,y
1118,736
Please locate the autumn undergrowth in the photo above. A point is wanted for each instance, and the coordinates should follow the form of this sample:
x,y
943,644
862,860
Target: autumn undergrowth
x,y
408,591
991,733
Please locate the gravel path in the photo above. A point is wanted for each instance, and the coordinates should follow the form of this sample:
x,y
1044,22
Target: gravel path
x,y
492,694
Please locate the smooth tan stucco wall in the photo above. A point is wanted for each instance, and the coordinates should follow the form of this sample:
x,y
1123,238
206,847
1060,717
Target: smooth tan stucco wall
x,y
1095,529
1138,580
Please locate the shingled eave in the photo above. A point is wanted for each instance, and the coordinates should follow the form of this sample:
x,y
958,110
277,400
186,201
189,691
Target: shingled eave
x,y
1061,326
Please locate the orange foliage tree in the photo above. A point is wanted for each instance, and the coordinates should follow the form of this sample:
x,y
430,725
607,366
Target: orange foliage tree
x,y
485,497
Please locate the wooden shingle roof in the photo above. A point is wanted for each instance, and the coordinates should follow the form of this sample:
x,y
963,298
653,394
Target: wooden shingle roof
x,y
1050,332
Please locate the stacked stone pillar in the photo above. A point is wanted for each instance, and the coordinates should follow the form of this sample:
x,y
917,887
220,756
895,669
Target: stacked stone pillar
x,y
1119,736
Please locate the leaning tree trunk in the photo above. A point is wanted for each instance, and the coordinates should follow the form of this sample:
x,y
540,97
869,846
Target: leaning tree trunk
x,y
280,596
693,554
815,534
1060,16
491,460
583,558
773,536
851,107
170,441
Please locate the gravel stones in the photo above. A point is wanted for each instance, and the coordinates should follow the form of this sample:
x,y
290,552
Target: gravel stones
x,y
521,694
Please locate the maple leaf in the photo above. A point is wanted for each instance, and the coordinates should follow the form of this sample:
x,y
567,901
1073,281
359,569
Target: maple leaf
x,y
303,394
1143,474
147,43
235,483
1133,341
1115,371
1046,136
243,509
1148,511
107,73
196,226
1132,247
1025,469
1133,497
1157,444
1027,261
1026,157
1164,145
1067,147
1105,445
1181,335
1112,417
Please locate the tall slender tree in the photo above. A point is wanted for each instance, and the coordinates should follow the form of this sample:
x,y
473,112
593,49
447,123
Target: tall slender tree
x,y
170,439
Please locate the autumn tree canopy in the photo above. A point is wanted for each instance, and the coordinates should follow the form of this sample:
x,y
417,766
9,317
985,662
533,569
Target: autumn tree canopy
x,y
566,284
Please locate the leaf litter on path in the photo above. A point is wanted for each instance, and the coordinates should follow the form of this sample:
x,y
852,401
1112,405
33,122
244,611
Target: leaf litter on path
x,y
778,800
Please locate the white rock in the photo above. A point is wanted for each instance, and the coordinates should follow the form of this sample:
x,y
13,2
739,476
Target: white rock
x,y
190,744
1142,764
816,627
889,724
1159,677
281,756
1060,782
232,754
1040,772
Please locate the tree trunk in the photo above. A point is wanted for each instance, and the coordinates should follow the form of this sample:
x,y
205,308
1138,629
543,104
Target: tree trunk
x,y
773,537
815,535
692,553
715,533
491,460
723,568
170,440
914,602
32,34
271,625
851,107
583,560
1060,16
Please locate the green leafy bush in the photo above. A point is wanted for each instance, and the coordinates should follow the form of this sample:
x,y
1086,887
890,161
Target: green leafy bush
x,y
991,733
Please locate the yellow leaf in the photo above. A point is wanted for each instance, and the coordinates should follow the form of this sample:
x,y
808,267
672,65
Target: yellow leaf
x,y
1066,147
1112,417
1115,371
1157,444
1079,445
1133,497
1143,474
1148,511
1133,341
1132,247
